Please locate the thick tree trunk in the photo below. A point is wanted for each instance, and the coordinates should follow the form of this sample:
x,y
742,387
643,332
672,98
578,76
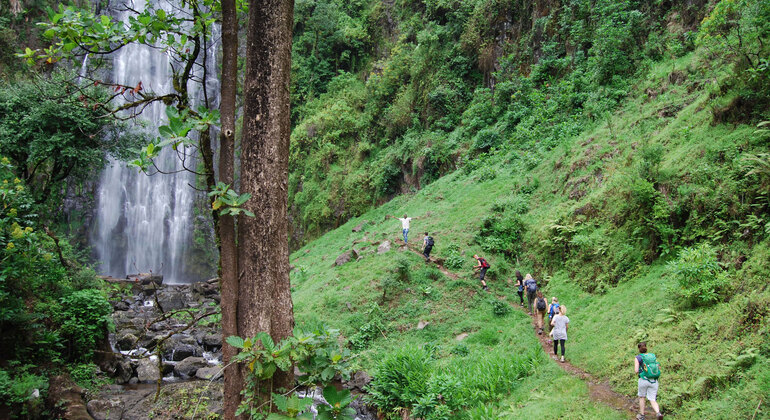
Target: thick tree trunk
x,y
264,298
228,257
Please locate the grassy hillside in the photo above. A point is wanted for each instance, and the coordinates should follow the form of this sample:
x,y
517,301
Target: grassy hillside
x,y
651,223
390,95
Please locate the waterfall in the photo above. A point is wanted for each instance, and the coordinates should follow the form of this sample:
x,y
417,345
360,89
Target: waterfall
x,y
144,222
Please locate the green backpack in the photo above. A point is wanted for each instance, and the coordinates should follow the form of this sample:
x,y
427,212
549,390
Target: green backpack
x,y
649,368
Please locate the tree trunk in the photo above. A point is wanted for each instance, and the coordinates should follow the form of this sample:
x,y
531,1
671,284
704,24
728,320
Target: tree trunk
x,y
264,298
228,257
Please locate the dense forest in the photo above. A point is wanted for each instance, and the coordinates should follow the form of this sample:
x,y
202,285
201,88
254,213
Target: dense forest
x,y
615,149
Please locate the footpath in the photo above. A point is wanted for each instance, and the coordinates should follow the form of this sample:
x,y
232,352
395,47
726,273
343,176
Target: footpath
x,y
598,390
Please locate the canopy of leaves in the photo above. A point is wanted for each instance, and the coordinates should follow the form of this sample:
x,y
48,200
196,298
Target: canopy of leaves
x,y
52,130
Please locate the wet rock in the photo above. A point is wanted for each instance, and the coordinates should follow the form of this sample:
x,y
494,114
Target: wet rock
x,y
126,341
384,247
171,300
111,409
123,371
208,373
182,351
189,366
212,340
146,278
120,305
147,370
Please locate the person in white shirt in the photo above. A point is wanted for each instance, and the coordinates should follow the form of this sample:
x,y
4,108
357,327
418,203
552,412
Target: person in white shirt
x,y
404,225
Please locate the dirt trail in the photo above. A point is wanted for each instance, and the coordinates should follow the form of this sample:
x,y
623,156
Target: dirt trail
x,y
598,390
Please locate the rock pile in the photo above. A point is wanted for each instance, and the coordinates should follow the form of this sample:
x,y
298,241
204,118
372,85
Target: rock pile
x,y
154,319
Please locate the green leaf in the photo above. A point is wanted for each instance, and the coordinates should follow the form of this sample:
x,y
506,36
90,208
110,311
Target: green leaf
x,y
235,341
267,341
165,131
105,20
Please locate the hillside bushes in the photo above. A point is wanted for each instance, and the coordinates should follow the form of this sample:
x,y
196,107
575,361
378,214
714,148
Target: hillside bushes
x,y
401,94
700,278
410,378
44,318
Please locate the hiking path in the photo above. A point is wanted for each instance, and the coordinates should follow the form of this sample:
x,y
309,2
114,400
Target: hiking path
x,y
598,390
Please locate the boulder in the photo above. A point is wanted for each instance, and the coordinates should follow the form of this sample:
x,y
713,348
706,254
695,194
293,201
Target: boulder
x,y
182,351
120,305
189,366
360,226
126,341
171,300
346,257
145,278
123,370
209,373
358,380
107,409
147,370
384,247
212,340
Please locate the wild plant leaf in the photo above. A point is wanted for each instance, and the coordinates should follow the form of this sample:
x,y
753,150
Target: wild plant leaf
x,y
235,341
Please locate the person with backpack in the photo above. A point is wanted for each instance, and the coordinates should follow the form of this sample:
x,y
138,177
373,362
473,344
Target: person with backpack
x,y
520,287
560,323
553,309
427,246
540,306
483,266
531,286
647,368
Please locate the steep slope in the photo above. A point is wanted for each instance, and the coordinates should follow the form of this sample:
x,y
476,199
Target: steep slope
x,y
623,222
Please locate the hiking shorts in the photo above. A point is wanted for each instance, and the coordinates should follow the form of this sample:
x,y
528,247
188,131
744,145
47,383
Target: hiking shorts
x,y
647,389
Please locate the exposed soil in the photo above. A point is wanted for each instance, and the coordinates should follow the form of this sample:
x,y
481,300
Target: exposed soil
x,y
598,390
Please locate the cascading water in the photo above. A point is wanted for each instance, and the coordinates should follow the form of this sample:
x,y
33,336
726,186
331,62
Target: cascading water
x,y
144,223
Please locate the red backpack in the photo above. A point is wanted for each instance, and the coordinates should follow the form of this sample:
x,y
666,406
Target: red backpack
x,y
484,263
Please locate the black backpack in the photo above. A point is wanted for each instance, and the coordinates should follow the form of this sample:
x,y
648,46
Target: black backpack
x,y
429,241
540,304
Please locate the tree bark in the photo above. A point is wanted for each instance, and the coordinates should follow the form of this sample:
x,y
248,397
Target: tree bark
x,y
264,298
228,257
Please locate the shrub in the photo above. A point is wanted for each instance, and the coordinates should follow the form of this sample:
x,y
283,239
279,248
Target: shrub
x,y
700,278
454,260
500,308
401,379
85,320
18,394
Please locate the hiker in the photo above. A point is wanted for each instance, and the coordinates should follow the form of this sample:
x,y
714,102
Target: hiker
x,y
520,287
560,323
404,224
540,306
647,368
482,267
553,309
531,285
427,246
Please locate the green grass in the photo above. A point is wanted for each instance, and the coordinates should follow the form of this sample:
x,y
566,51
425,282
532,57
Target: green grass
x,y
585,236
